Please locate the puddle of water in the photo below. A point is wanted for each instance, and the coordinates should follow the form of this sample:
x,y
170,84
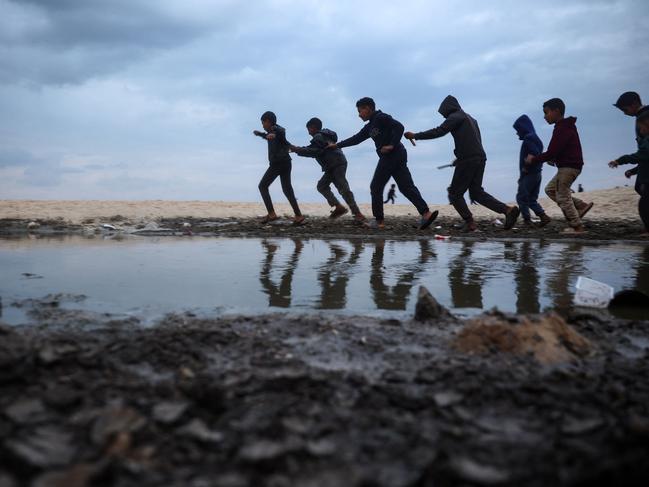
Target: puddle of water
x,y
148,276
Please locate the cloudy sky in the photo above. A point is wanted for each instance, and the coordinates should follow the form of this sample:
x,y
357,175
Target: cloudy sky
x,y
157,99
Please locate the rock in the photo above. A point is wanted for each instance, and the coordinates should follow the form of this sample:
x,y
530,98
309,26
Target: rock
x,y
581,426
263,450
198,430
25,411
169,412
428,308
447,398
114,420
6,481
472,471
45,448
33,225
76,476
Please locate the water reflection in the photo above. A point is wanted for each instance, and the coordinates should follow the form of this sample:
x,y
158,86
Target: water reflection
x,y
334,273
396,296
465,278
525,256
279,293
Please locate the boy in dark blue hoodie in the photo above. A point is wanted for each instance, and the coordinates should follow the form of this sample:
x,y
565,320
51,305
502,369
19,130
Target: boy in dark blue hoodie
x,y
529,179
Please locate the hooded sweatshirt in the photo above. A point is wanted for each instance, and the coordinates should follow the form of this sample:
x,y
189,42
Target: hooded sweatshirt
x,y
278,146
531,145
328,159
384,130
641,158
463,127
564,149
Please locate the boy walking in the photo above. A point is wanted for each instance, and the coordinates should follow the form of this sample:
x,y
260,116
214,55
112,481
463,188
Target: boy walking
x,y
280,165
469,165
334,166
630,104
641,158
391,194
393,160
564,152
529,179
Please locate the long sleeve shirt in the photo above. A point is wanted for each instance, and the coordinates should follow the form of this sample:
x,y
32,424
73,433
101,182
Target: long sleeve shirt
x,y
384,130
564,148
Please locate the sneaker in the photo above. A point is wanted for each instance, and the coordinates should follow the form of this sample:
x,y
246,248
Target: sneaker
x,y
585,210
339,211
374,225
511,216
425,223
545,219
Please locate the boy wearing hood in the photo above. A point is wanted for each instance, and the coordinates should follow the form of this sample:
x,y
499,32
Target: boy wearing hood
x,y
393,160
641,158
529,179
469,164
564,152
280,165
334,166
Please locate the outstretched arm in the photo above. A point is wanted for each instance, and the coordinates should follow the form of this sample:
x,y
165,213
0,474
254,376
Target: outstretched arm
x,y
451,123
361,136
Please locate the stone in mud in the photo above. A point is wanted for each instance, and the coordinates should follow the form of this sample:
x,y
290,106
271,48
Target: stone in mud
x,y
25,411
548,338
428,308
169,412
114,420
198,430
80,475
46,447
472,471
6,481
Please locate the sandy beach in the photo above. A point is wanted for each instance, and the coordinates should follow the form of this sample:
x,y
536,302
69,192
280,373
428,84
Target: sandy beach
x,y
610,204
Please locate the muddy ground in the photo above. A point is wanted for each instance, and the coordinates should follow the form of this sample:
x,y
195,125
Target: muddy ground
x,y
278,400
397,227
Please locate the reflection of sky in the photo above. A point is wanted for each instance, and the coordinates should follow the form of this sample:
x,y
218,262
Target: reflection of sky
x,y
134,99
151,276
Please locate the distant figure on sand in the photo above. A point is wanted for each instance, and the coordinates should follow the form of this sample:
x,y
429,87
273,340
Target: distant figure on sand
x,y
334,166
391,194
641,158
529,177
630,104
564,151
580,188
469,165
280,165
393,161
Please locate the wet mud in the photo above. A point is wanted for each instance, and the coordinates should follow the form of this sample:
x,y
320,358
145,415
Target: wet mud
x,y
396,227
319,400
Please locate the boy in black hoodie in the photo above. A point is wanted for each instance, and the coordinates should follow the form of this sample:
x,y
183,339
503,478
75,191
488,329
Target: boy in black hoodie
x,y
334,166
469,164
280,165
641,158
393,160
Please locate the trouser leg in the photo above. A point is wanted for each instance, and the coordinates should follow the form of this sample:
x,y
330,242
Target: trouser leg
x,y
643,205
406,185
382,175
287,188
324,188
564,179
479,195
462,176
267,179
342,185
522,198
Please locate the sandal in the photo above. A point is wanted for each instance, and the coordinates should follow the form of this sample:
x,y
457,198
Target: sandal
x,y
268,219
425,223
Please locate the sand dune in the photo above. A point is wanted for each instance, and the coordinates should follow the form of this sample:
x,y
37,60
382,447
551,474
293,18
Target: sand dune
x,y
615,203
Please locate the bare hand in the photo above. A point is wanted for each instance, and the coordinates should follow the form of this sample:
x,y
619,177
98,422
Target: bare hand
x,y
529,159
270,136
386,149
409,135
292,148
258,133
628,173
613,164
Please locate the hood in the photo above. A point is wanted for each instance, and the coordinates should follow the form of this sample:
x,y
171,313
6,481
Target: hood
x,y
524,126
568,121
448,106
329,134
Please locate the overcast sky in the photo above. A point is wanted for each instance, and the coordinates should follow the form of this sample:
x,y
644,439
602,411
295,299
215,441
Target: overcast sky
x,y
157,99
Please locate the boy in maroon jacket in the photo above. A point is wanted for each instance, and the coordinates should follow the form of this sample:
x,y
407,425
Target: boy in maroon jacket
x,y
564,152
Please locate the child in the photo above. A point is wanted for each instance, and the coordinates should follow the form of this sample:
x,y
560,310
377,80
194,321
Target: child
x,y
334,166
280,165
469,165
631,105
391,194
564,152
641,158
393,160
529,179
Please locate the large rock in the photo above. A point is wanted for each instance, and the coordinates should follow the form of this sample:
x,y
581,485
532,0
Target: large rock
x,y
428,308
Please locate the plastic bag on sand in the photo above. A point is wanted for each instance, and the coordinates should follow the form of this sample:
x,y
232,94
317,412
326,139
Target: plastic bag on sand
x,y
592,294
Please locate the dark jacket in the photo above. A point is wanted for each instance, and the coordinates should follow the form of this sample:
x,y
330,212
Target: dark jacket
x,y
384,130
638,135
328,159
277,147
641,158
531,145
463,127
565,148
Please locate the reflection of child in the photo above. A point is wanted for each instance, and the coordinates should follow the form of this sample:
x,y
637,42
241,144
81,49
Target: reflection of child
x,y
391,194
641,158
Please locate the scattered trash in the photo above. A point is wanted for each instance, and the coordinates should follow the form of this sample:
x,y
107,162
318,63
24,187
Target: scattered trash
x,y
187,225
442,237
106,226
592,294
33,225
497,222
438,227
